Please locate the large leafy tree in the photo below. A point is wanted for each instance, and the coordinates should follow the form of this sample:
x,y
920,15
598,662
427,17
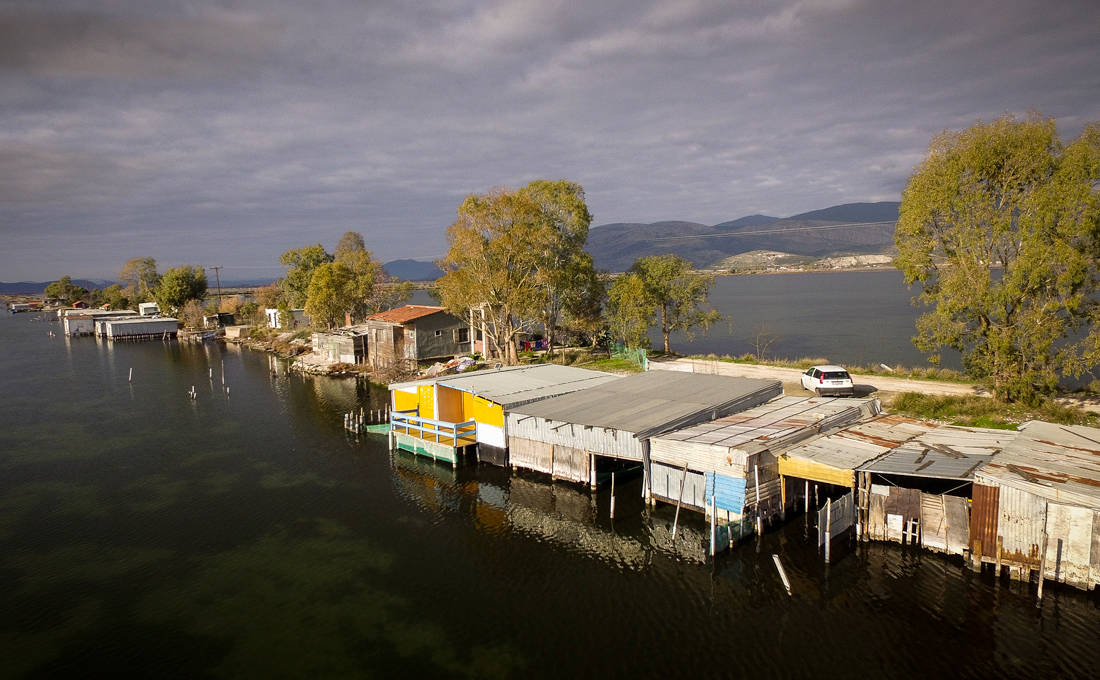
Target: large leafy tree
x,y
672,295
491,267
1000,225
628,318
571,292
301,262
373,289
516,259
332,292
139,278
65,289
179,286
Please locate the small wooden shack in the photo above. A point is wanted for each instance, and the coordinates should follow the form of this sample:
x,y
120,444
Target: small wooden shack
x,y
405,336
82,321
571,437
347,345
1037,505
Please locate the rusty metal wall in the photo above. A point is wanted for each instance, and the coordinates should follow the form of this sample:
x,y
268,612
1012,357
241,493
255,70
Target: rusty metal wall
x,y
983,520
1020,526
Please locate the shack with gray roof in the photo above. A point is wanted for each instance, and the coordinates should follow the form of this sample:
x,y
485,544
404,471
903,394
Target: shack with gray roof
x,y
571,437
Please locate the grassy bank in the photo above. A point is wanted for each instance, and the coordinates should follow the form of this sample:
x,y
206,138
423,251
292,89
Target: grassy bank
x,y
977,411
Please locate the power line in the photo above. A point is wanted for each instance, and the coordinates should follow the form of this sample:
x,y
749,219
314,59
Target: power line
x,y
759,232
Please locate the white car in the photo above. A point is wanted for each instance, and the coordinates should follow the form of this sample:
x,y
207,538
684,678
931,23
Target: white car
x,y
828,380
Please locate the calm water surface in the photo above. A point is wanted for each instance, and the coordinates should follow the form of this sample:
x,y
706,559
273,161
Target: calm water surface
x,y
850,318
143,533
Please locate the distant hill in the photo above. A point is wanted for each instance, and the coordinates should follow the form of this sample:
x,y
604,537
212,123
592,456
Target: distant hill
x,y
39,287
818,233
413,270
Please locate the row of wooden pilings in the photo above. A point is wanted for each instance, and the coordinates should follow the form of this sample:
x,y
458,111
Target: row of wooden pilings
x,y
357,421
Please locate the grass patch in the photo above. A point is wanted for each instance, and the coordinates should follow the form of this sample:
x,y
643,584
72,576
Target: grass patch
x,y
612,365
974,411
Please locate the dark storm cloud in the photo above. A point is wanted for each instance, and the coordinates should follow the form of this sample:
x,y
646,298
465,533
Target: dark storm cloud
x,y
193,131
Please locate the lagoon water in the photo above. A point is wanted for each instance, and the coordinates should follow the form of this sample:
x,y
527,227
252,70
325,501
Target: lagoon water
x,y
245,535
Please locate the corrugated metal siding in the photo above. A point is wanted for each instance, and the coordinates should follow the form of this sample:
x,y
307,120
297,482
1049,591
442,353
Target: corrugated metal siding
x,y
728,492
840,513
698,456
571,464
1020,524
603,441
665,483
1075,527
983,520
530,455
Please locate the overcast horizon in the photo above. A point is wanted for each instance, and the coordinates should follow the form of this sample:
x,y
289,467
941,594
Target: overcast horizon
x,y
224,133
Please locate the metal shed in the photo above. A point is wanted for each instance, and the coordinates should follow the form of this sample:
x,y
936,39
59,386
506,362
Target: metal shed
x,y
149,328
435,409
563,436
741,451
917,492
1043,489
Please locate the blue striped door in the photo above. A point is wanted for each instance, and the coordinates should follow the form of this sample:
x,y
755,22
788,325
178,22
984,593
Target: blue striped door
x,y
728,492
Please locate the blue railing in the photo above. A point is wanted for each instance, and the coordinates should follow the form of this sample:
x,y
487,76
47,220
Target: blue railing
x,y
441,431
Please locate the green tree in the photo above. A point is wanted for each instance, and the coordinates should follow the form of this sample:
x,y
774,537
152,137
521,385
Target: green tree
x,y
516,257
1000,225
672,295
571,291
65,289
140,278
178,286
374,289
628,317
114,296
301,262
332,293
491,267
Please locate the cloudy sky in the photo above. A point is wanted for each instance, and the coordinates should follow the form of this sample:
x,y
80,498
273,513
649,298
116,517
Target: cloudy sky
x,y
223,133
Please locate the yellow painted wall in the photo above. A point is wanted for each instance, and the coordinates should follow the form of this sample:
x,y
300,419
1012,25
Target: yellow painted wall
x,y
405,401
426,393
488,413
450,404
816,472
467,406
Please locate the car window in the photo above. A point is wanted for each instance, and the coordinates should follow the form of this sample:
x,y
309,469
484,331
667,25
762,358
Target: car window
x,y
836,375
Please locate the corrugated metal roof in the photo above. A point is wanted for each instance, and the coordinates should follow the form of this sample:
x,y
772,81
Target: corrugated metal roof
x,y
647,403
943,452
776,420
405,314
855,445
514,385
1057,462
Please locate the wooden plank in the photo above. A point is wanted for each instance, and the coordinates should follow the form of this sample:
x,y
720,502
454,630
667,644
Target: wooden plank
x,y
958,524
933,522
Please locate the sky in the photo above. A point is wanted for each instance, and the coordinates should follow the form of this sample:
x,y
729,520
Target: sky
x,y
224,133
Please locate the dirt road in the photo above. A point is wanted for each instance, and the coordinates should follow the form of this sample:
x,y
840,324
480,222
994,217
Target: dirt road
x,y
865,384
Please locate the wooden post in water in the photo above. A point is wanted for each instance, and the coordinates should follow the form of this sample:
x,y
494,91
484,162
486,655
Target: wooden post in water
x,y
782,573
999,540
131,378
828,527
713,527
223,371
612,495
807,497
1042,569
679,501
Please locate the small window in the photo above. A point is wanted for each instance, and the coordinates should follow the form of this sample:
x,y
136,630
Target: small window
x,y
462,334
439,333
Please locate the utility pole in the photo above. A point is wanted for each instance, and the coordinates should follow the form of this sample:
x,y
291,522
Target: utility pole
x,y
218,278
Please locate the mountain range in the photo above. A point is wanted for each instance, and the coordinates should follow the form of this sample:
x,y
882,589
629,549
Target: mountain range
x,y
852,228
849,229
